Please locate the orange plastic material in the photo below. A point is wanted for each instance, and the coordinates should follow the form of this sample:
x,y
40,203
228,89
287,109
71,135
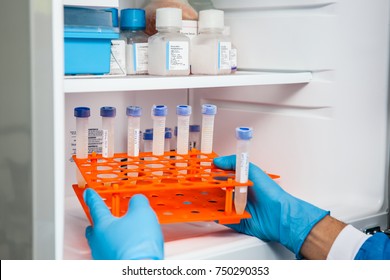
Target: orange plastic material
x,y
180,188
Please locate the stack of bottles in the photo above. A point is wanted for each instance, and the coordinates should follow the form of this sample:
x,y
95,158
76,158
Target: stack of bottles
x,y
177,168
170,38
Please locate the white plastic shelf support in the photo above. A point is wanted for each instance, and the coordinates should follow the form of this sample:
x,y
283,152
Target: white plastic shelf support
x,y
92,3
146,82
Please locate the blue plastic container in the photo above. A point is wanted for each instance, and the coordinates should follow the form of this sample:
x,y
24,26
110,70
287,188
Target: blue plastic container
x,y
88,47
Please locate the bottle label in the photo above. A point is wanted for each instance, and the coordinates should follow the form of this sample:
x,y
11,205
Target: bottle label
x,y
137,58
118,57
224,55
233,59
177,55
141,58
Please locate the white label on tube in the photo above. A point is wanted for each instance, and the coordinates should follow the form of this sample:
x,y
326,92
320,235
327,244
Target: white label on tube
x,y
136,142
94,141
224,55
105,143
244,166
177,55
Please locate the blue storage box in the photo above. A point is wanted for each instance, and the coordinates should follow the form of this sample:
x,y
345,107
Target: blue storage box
x,y
87,35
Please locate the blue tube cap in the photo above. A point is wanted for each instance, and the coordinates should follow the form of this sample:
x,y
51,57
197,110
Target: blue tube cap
x,y
159,110
194,128
82,112
148,135
244,133
133,19
183,110
133,111
209,109
168,134
108,111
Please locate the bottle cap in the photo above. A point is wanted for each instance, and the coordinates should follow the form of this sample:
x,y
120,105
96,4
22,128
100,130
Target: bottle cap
x,y
244,133
194,128
211,19
133,19
148,135
168,17
82,112
159,110
168,134
183,110
133,111
209,109
108,112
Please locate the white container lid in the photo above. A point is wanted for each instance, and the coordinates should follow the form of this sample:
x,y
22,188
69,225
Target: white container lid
x,y
168,17
211,19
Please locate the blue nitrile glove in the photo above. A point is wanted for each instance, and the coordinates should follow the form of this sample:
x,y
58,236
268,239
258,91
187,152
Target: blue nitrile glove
x,y
136,235
276,215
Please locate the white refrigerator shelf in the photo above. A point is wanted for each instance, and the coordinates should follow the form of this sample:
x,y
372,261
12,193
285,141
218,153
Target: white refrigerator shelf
x,y
107,83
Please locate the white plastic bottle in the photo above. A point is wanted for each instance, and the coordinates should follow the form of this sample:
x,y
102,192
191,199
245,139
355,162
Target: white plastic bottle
x,y
210,50
82,115
132,31
133,130
108,125
243,135
169,50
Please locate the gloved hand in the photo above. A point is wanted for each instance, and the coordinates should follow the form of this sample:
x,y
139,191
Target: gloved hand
x,y
276,215
136,235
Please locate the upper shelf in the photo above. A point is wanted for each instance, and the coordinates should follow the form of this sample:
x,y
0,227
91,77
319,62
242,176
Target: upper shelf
x,y
146,82
90,3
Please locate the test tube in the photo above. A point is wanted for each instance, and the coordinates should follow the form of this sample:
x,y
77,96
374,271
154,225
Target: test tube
x,y
206,145
208,113
174,140
194,137
243,135
168,137
148,140
108,120
183,113
133,130
159,113
82,115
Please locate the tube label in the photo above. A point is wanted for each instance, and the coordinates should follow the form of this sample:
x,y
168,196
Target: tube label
x,y
244,168
105,143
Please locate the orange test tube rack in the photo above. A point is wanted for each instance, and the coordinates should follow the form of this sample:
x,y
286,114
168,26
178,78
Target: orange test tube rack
x,y
189,192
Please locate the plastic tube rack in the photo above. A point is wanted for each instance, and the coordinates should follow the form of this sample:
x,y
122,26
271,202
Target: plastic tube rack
x,y
175,196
